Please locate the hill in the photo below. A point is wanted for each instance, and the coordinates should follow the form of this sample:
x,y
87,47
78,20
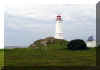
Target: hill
x,y
48,41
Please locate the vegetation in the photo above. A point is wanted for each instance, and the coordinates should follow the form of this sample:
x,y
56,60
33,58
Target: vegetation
x,y
77,44
47,41
54,54
1,58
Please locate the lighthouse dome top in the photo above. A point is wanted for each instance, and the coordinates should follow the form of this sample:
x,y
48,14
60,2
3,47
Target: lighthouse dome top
x,y
58,15
58,18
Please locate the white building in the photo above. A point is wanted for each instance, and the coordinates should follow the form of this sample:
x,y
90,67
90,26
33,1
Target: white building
x,y
91,42
59,28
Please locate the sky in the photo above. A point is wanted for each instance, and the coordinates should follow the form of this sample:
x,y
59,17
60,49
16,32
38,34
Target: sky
x,y
27,20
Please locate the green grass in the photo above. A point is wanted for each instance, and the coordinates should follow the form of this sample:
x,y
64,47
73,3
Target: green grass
x,y
1,58
53,55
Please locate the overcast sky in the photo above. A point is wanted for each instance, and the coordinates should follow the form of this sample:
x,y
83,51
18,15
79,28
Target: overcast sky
x,y
26,22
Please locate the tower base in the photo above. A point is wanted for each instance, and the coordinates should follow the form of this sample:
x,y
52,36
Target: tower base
x,y
59,36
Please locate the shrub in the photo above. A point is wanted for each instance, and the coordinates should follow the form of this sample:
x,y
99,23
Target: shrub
x,y
77,44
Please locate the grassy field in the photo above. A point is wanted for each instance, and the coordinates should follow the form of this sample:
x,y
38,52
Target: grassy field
x,y
1,58
49,56
53,55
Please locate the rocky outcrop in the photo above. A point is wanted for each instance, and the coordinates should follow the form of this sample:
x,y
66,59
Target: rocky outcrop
x,y
47,41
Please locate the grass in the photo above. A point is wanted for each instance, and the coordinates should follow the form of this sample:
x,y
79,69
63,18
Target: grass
x,y
1,58
53,55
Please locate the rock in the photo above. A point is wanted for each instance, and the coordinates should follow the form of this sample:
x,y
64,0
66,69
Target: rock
x,y
47,41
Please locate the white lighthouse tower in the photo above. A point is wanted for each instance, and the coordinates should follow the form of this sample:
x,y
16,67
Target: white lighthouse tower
x,y
59,30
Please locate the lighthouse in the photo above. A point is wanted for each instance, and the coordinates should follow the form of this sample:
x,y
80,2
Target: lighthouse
x,y
59,28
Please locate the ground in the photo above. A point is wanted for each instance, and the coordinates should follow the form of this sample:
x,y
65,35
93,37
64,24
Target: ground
x,y
52,55
1,58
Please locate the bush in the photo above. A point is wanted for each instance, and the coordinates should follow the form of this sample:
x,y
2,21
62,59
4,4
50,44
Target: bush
x,y
77,44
